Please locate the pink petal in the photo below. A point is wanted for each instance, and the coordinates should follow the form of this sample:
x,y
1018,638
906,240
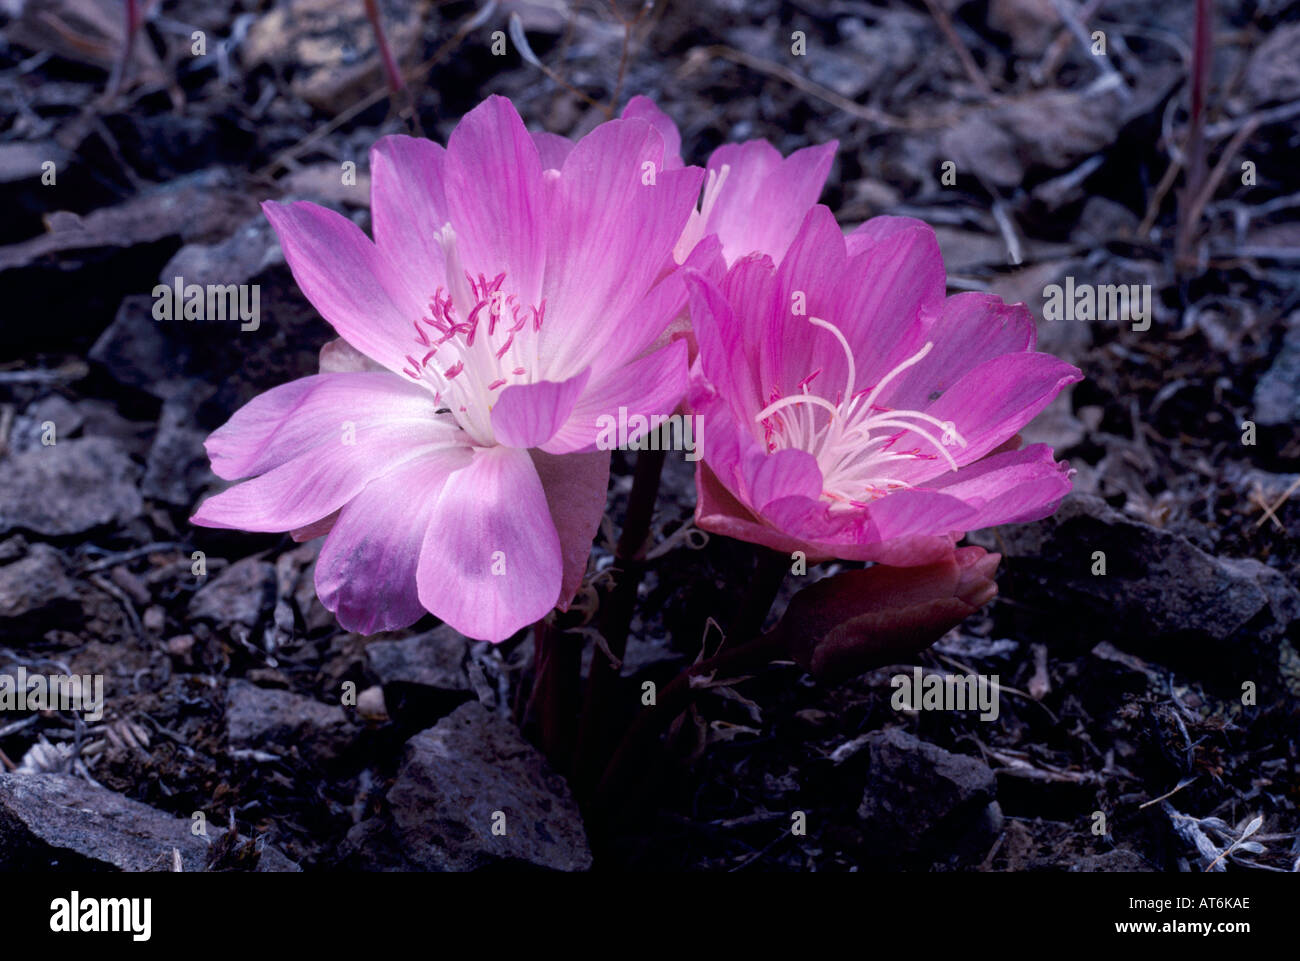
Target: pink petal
x,y
610,237
528,415
490,515
1009,488
719,512
294,418
808,279
643,108
972,329
552,148
306,488
315,529
366,572
907,513
652,385
764,199
576,487
495,197
988,405
344,276
730,336
780,474
408,206
891,286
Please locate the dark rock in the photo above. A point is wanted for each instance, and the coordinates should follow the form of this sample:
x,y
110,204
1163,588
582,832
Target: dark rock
x,y
1159,591
919,796
169,358
457,780
177,466
435,659
1277,395
331,47
1104,220
69,487
192,207
57,822
424,677
140,352
37,589
1120,860
1031,24
280,722
13,549
29,427
35,585
238,595
1273,73
1051,130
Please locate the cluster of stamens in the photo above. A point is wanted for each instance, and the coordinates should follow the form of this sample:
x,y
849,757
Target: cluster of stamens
x,y
854,442
485,330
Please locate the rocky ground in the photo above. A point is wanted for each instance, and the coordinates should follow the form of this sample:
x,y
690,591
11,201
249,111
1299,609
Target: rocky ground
x,y
1149,715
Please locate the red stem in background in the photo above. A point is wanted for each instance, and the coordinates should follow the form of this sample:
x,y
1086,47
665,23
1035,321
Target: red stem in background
x,y
1202,56
557,661
391,73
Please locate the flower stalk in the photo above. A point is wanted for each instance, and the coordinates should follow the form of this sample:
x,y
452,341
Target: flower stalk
x,y
596,736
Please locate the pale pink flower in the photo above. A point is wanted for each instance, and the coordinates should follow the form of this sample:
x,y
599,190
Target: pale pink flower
x,y
506,303
852,411
754,199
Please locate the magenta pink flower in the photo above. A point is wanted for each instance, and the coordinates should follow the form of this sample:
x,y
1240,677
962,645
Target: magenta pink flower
x,y
754,200
506,303
851,411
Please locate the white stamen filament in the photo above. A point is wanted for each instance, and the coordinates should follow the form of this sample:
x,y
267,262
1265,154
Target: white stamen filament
x,y
853,444
474,342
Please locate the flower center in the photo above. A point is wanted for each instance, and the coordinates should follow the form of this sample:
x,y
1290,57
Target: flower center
x,y
854,442
476,340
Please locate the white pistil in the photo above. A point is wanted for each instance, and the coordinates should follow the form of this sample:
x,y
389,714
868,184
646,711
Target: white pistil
x,y
693,233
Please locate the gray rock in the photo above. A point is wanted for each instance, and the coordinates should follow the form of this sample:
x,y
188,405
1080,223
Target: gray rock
x,y
424,677
1159,588
435,659
141,352
238,595
56,822
36,585
1273,73
920,796
29,427
69,487
1277,395
460,777
235,260
281,722
177,466
1054,129
1120,860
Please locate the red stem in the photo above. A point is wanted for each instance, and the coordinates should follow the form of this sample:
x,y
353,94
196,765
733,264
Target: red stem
x,y
1202,56
391,73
